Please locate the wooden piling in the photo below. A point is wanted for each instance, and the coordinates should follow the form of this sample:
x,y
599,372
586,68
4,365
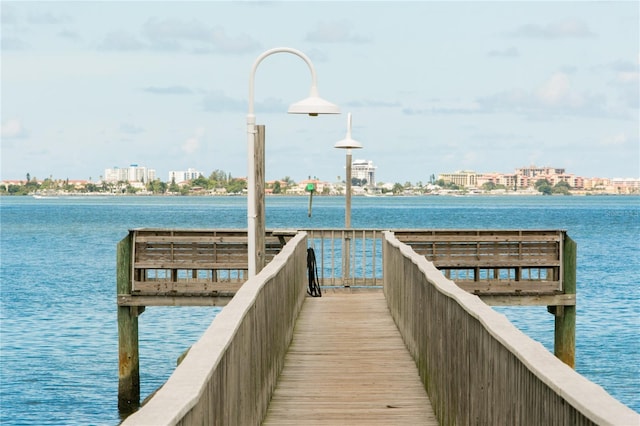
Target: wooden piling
x,y
129,363
259,194
565,316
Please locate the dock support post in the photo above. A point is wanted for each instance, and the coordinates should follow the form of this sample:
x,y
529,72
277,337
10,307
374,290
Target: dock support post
x,y
260,225
565,316
129,362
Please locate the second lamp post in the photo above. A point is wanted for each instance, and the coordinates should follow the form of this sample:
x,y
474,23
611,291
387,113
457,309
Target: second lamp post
x,y
347,143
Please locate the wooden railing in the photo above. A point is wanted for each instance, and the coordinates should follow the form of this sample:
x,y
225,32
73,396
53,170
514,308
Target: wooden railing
x,y
228,376
476,366
347,257
191,266
493,261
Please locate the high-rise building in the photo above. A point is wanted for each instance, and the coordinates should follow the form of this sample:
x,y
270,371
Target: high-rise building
x,y
132,174
364,170
184,176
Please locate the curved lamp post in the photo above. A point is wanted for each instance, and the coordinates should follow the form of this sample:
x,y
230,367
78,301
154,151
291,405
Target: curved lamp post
x,y
313,105
347,143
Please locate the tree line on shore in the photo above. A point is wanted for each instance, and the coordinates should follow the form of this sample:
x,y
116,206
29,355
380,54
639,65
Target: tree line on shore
x,y
218,180
223,183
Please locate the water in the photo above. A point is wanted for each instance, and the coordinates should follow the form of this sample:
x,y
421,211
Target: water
x,y
58,329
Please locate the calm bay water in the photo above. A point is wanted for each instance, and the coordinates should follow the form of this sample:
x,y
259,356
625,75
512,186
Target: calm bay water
x,y
58,330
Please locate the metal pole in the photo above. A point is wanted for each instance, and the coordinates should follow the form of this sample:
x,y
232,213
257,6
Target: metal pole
x,y
347,223
347,213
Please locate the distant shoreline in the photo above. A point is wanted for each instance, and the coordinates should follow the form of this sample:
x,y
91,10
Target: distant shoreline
x,y
501,194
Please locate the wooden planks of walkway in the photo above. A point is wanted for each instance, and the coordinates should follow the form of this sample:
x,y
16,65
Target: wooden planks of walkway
x,y
348,365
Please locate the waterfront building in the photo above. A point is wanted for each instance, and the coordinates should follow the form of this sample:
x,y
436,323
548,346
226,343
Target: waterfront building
x,y
364,170
541,172
135,175
462,178
626,185
183,176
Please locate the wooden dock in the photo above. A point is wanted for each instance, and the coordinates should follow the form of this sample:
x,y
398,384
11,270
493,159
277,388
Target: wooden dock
x,y
347,364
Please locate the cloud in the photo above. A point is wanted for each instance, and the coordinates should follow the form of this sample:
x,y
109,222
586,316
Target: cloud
x,y
624,66
555,96
48,18
240,44
169,90
8,15
192,144
368,103
13,129
13,43
615,140
555,90
271,105
170,30
509,52
121,41
130,128
562,29
219,102
175,35
335,32
70,35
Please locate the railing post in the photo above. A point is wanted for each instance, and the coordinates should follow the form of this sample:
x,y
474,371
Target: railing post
x,y
565,316
346,260
128,362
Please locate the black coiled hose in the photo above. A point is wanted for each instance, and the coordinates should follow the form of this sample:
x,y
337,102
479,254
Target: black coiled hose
x,y
312,270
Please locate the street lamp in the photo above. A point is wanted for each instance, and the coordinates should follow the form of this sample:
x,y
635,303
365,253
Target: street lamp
x,y
313,105
347,143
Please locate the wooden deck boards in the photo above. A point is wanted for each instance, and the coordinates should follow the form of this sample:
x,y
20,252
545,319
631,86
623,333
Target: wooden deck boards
x,y
348,365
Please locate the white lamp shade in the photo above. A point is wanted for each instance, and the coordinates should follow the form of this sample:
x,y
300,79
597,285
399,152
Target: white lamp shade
x,y
348,142
313,105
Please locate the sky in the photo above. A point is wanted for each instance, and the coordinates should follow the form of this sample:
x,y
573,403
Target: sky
x,y
433,87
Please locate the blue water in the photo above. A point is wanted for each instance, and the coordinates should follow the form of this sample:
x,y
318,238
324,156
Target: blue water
x,y
58,330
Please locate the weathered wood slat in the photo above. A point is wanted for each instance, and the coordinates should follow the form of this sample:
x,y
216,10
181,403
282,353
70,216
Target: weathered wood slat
x,y
443,237
220,299
143,238
158,264
440,262
511,287
184,287
529,300
347,364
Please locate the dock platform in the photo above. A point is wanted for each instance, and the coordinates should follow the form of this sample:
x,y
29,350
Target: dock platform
x,y
347,364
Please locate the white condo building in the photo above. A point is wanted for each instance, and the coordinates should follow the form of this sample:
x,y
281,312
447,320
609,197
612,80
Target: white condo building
x,y
132,174
184,176
364,169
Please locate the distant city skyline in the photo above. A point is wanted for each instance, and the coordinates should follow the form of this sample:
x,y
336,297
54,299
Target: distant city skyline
x,y
121,173
433,87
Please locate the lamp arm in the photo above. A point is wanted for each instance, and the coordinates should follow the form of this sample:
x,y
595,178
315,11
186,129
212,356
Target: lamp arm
x,y
251,116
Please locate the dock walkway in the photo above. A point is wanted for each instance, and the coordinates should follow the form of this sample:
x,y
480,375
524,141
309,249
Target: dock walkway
x,y
347,364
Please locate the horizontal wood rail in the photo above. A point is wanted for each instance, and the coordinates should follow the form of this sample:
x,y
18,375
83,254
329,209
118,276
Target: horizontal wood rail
x,y
182,263
494,262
